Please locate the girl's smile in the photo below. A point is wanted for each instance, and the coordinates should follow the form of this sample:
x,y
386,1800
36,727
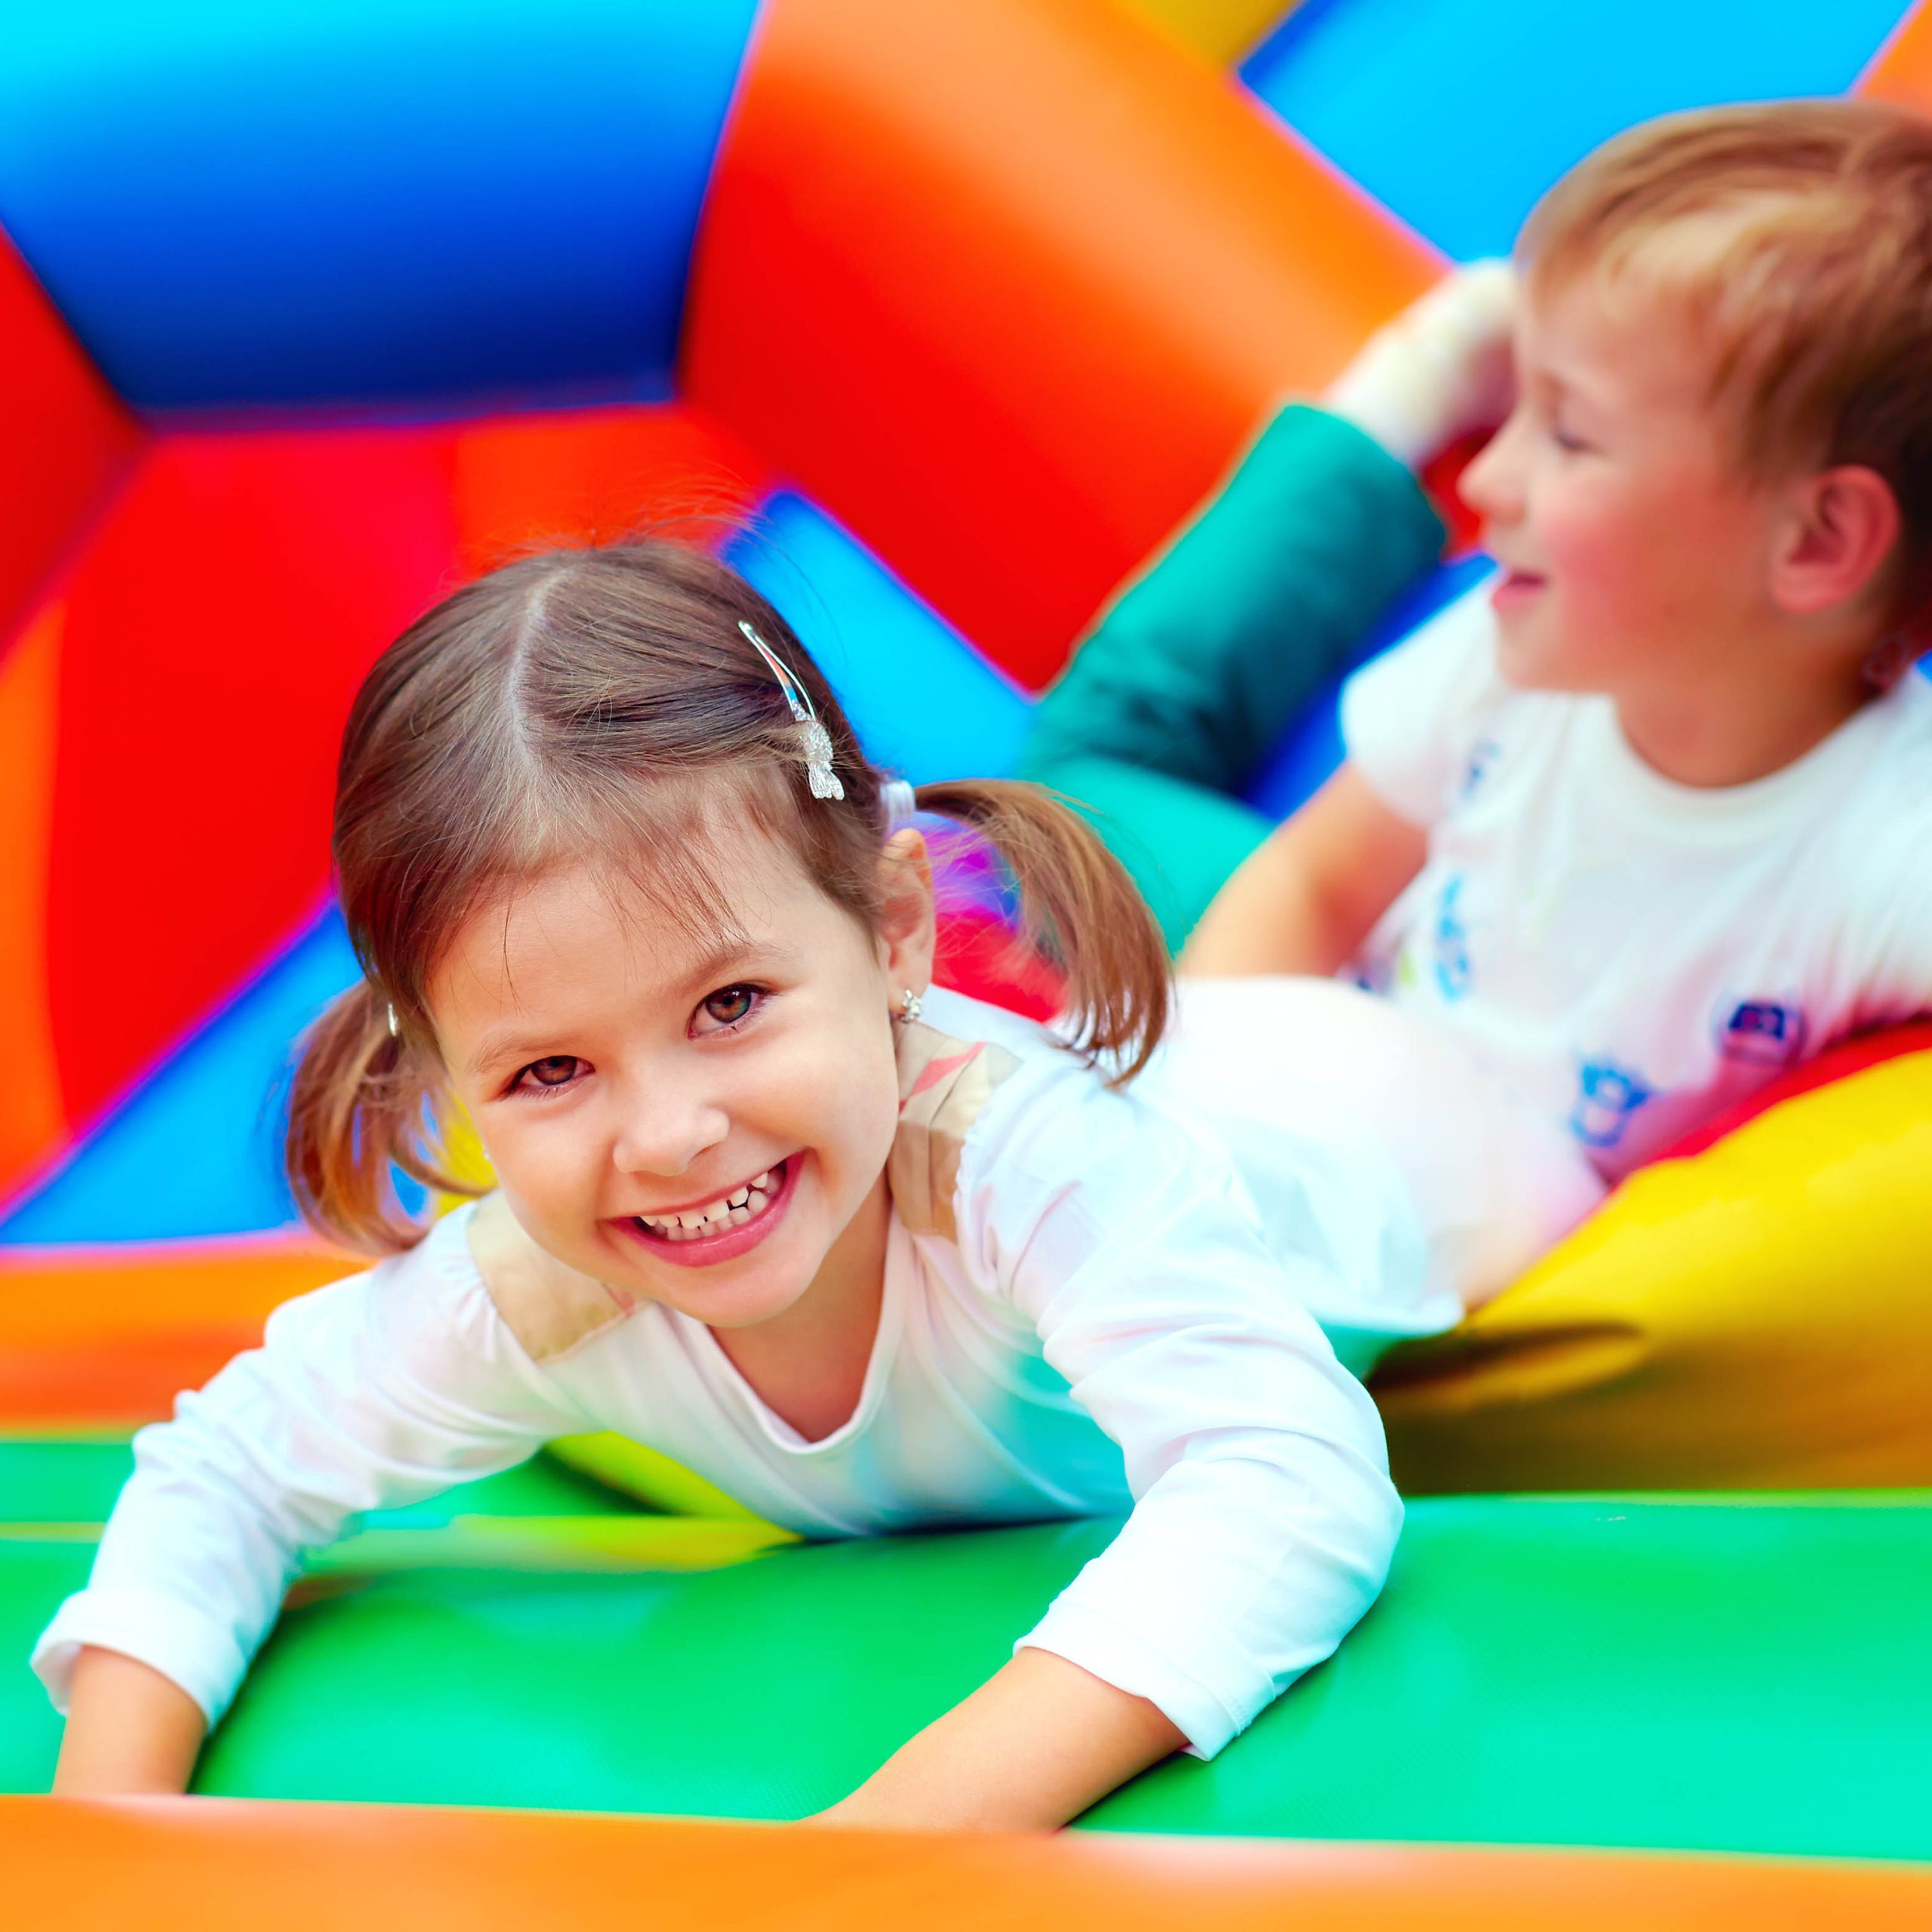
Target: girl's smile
x,y
697,1235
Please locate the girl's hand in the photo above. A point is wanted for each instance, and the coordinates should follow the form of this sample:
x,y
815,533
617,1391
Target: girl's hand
x,y
1031,1749
130,1731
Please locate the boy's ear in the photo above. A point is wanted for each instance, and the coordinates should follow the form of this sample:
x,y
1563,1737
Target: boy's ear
x,y
1843,527
907,927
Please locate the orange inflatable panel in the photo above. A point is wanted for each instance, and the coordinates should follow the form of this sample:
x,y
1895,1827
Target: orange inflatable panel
x,y
213,1865
1004,284
1903,71
33,1121
105,1338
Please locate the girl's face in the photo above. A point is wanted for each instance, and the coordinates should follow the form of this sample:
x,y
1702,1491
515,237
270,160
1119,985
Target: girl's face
x,y
694,1116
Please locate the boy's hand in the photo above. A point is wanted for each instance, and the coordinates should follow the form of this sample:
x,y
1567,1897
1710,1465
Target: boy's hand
x,y
1442,370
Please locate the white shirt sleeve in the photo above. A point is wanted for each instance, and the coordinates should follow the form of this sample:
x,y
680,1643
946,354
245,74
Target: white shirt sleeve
x,y
381,1390
1412,718
1264,1518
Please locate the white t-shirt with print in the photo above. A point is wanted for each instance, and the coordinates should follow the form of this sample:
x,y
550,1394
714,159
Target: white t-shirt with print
x,y
1081,1316
1627,954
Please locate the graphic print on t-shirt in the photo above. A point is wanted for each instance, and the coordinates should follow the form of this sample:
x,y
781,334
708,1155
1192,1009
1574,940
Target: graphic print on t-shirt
x,y
1761,1033
1452,973
1483,756
1608,1096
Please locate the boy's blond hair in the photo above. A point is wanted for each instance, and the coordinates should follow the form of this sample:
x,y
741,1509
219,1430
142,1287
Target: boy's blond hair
x,y
1797,235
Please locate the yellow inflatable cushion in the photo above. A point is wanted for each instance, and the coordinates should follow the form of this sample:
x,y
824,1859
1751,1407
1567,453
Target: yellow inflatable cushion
x,y
1757,1315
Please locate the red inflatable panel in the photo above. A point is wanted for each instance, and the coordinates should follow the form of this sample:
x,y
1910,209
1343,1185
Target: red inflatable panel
x,y
213,636
524,482
1004,284
215,632
65,440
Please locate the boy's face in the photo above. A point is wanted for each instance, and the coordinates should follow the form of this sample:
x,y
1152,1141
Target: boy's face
x,y
1633,554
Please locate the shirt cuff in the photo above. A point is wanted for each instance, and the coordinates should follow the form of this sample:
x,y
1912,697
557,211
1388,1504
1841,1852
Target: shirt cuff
x,y
1129,1662
194,1651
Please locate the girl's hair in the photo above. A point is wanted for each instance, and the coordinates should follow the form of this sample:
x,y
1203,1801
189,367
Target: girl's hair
x,y
605,705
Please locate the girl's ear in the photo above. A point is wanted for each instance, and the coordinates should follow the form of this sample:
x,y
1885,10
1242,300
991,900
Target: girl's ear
x,y
907,930
1844,527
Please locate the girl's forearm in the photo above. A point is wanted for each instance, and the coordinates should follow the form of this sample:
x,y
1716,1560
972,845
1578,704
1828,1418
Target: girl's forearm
x,y
130,1730
1031,1749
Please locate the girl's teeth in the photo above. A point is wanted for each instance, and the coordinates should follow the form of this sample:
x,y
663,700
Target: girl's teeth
x,y
734,1211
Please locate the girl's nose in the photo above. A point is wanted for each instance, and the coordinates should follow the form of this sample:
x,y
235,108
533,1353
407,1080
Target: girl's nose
x,y
665,1130
1492,484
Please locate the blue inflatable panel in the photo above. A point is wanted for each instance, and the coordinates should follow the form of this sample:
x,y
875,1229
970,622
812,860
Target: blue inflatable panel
x,y
924,702
196,1149
1308,755
436,200
1459,118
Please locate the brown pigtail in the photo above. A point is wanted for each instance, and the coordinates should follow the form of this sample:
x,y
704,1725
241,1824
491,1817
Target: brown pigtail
x,y
1079,909
357,1105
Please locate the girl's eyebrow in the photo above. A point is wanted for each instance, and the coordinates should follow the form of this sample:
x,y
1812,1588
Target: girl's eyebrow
x,y
736,952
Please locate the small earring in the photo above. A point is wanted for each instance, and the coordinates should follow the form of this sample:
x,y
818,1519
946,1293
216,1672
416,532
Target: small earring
x,y
910,1007
394,1028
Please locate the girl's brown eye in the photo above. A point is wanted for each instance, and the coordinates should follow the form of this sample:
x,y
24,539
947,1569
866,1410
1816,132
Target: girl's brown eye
x,y
554,1071
729,1005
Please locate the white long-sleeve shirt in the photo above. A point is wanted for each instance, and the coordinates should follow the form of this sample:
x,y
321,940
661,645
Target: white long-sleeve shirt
x,y
1080,1316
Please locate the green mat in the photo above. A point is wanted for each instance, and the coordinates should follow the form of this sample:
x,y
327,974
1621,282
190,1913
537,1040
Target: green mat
x,y
1732,1674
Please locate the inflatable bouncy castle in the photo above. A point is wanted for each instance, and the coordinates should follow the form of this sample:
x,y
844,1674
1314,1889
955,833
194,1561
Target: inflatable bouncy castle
x,y
940,318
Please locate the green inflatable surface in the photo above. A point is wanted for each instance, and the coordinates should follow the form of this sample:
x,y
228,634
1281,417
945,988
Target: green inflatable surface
x,y
1732,1674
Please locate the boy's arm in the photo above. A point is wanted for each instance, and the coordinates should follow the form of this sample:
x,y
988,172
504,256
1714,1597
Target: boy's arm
x,y
1306,900
130,1731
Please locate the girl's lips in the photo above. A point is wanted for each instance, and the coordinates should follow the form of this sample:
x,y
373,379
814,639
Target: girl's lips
x,y
703,1251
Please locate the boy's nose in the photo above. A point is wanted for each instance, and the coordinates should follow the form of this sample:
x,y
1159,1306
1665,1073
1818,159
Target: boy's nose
x,y
1491,485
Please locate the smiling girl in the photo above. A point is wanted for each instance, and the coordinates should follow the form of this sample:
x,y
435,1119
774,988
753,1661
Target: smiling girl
x,y
867,1253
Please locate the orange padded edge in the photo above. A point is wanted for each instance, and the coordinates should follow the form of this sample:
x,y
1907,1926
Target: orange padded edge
x,y
1005,284
214,1864
105,1337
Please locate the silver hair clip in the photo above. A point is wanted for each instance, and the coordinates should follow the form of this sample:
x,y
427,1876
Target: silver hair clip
x,y
814,737
896,796
394,1028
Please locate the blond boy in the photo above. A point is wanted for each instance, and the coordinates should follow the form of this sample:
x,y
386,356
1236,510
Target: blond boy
x,y
1647,819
